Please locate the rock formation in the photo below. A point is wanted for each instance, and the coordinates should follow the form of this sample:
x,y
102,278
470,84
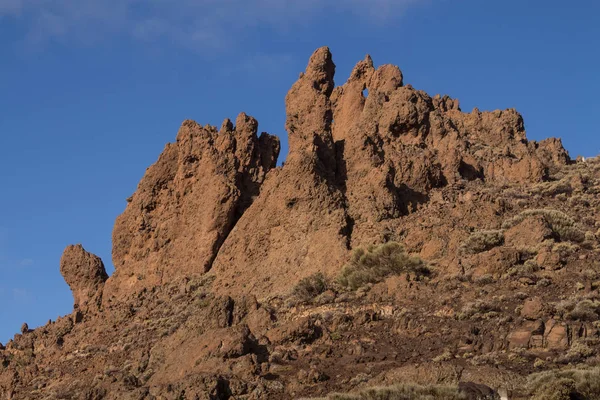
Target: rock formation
x,y
298,224
187,203
398,143
357,164
85,274
208,299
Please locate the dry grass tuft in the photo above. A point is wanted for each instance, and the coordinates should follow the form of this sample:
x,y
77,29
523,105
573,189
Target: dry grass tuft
x,y
310,287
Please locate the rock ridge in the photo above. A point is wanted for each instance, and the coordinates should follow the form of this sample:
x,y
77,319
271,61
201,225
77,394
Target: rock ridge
x,y
187,203
362,156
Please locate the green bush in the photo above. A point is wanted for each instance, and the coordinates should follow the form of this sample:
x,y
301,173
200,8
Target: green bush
x,y
565,385
310,287
563,226
402,392
377,262
482,241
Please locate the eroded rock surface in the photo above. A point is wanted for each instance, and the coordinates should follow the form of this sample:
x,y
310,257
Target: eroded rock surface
x,y
298,225
187,203
213,243
85,274
358,164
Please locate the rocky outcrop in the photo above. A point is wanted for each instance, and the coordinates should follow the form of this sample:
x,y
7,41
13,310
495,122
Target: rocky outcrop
x,y
215,237
187,203
298,225
85,274
397,144
361,157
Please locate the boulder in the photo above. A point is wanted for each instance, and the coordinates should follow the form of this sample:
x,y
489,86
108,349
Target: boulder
x,y
529,232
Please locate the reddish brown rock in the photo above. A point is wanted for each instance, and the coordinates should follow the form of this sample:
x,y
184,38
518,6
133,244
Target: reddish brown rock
x,y
549,260
532,309
187,203
529,232
528,335
85,274
396,144
495,261
556,335
298,225
357,164
390,164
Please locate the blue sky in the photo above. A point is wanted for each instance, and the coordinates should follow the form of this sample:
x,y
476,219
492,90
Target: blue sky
x,y
92,90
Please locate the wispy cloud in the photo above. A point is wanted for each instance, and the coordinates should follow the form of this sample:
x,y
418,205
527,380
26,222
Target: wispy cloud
x,y
22,296
195,23
26,262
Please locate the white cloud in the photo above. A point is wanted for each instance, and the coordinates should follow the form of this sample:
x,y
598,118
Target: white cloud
x,y
195,23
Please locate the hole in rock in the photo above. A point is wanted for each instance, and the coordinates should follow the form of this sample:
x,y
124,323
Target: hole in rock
x,y
365,93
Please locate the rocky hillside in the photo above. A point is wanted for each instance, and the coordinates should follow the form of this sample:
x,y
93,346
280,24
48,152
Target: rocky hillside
x,y
404,245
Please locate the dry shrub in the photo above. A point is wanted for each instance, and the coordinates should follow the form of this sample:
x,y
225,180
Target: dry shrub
x,y
402,392
310,287
377,262
579,310
528,268
479,309
565,384
576,353
482,241
563,226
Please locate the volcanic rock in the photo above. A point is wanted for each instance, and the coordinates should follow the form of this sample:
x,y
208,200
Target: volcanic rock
x,y
187,203
85,274
298,225
357,164
215,237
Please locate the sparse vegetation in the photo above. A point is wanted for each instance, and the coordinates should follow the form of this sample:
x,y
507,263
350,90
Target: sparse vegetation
x,y
579,310
377,262
479,309
556,188
529,267
577,352
310,287
563,226
402,392
565,385
482,241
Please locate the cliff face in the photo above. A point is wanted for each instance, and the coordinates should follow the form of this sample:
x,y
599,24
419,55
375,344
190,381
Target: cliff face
x,y
209,298
357,164
187,203
396,144
299,223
